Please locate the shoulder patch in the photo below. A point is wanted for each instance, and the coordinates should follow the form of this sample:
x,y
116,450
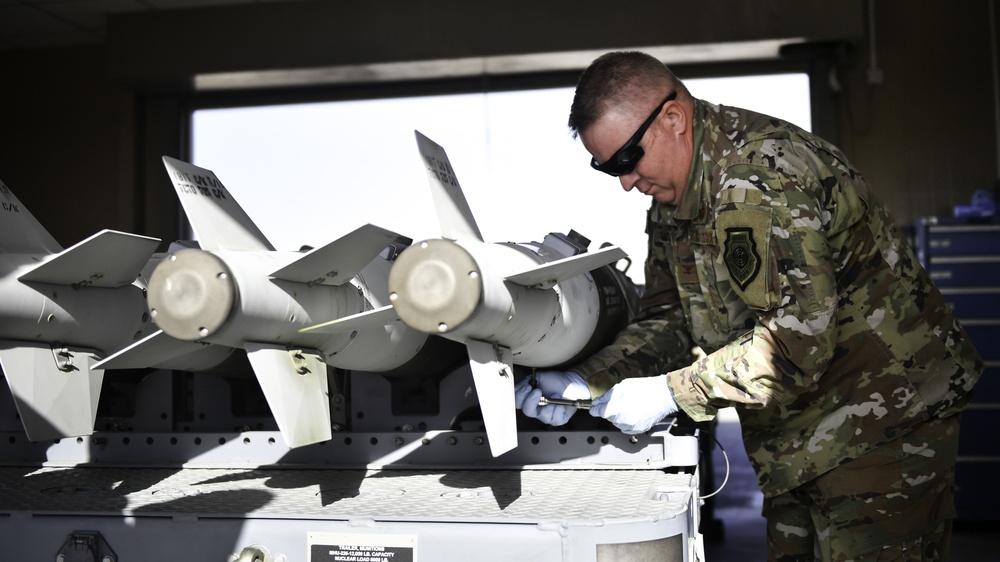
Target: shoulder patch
x,y
745,235
741,255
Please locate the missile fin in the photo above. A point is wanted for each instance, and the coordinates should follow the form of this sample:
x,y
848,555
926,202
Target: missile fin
x,y
454,214
546,275
339,261
295,385
55,390
367,319
106,259
216,218
151,351
20,231
493,373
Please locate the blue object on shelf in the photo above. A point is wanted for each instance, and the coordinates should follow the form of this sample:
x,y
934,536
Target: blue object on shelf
x,y
982,205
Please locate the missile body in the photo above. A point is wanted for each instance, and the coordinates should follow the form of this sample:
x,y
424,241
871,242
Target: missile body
x,y
511,304
236,291
229,298
50,338
60,310
463,291
100,318
537,305
508,303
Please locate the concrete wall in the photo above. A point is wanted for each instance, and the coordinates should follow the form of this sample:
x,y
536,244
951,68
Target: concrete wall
x,y
66,140
926,137
83,128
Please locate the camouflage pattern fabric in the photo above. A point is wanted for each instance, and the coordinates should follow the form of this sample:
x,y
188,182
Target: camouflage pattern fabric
x,y
892,503
817,320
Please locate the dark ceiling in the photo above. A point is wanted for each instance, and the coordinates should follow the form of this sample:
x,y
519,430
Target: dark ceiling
x,y
30,24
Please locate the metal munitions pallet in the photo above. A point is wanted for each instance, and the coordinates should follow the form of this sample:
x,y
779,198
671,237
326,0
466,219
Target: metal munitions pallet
x,y
149,487
344,515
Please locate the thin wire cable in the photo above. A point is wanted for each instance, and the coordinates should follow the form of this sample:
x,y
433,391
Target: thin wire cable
x,y
724,480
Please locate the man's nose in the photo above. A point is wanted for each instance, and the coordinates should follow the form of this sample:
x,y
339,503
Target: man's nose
x,y
628,180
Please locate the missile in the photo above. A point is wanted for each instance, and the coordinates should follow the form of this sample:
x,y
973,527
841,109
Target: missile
x,y
235,290
60,311
533,304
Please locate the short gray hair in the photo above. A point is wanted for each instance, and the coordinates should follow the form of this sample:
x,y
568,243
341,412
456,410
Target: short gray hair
x,y
618,78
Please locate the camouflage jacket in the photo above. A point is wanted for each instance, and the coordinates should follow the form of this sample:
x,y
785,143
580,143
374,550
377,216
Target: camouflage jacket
x,y
817,321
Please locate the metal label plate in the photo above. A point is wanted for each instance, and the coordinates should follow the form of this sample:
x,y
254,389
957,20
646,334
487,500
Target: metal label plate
x,y
357,547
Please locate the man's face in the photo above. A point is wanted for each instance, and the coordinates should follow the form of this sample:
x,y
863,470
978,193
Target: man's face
x,y
662,171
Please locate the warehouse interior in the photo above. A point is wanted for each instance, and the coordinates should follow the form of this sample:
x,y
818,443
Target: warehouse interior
x,y
95,92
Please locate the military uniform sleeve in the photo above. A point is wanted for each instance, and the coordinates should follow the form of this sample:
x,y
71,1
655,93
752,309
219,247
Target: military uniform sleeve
x,y
654,343
781,265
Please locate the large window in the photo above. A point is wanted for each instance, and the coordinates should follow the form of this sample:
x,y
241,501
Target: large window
x,y
308,173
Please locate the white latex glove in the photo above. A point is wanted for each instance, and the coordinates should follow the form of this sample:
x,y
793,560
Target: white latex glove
x,y
550,384
635,405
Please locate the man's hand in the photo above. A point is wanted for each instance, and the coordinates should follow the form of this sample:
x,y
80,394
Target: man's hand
x,y
635,405
550,384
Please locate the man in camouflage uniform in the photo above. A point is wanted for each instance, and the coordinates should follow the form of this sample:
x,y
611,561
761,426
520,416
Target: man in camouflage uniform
x,y
771,253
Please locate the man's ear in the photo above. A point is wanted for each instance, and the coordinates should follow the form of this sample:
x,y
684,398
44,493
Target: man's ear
x,y
675,117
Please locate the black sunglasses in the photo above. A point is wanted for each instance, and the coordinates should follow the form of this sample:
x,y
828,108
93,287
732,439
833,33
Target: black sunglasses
x,y
627,157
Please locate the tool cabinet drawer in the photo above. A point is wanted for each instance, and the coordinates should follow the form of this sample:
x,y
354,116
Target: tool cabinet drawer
x,y
973,302
964,271
987,391
961,239
976,495
985,335
977,437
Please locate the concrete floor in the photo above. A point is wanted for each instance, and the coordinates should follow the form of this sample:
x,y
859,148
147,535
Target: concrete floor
x,y
738,533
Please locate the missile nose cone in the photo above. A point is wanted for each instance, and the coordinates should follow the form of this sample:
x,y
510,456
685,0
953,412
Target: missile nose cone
x,y
191,294
435,286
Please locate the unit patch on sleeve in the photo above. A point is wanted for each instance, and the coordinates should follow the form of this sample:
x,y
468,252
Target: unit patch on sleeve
x,y
745,235
741,256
